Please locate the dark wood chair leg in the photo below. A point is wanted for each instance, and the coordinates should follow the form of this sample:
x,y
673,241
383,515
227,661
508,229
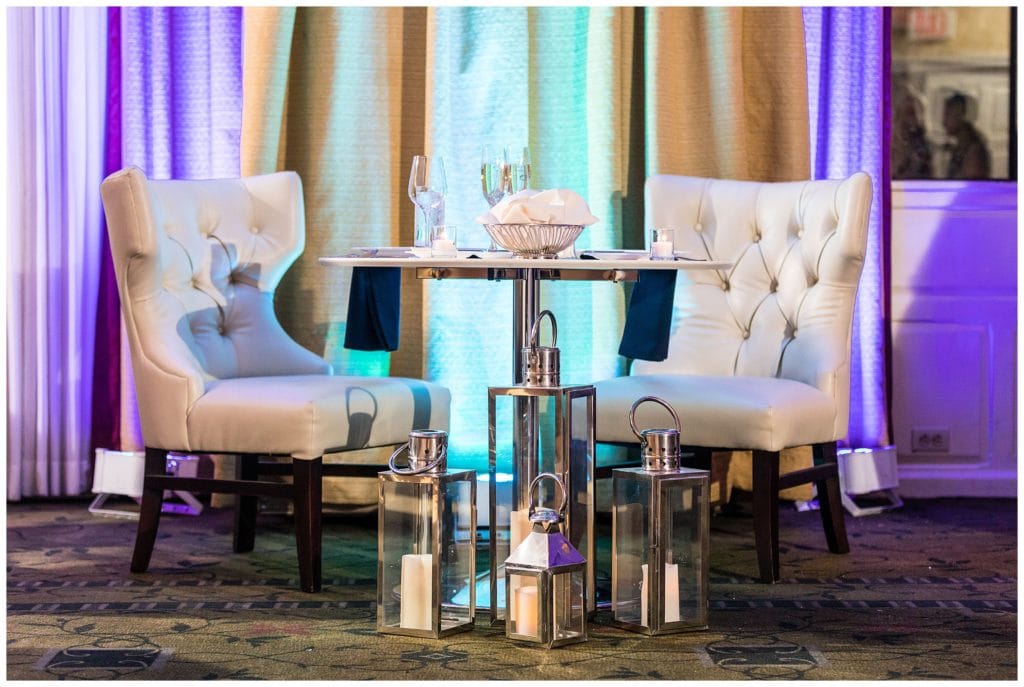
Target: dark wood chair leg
x,y
308,476
830,501
766,513
149,510
246,468
699,459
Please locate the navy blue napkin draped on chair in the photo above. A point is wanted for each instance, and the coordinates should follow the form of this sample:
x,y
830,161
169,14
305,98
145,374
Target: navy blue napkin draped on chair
x,y
649,316
374,309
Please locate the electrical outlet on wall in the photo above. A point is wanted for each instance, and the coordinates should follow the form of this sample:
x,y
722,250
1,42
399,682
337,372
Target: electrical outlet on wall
x,y
929,440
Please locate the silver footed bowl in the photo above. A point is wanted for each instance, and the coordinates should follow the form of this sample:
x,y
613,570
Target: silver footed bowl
x,y
534,240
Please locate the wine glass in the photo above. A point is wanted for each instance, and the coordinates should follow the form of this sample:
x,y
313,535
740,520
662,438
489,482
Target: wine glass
x,y
518,168
492,175
427,188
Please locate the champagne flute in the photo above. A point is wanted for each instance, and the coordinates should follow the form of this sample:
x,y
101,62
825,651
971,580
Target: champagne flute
x,y
492,174
517,169
427,188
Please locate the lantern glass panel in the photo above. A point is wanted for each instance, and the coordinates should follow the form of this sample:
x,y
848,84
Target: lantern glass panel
x,y
406,550
457,553
631,548
581,476
535,430
525,612
569,617
682,505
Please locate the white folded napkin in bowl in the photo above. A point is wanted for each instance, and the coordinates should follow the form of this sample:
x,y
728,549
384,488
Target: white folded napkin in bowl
x,y
529,206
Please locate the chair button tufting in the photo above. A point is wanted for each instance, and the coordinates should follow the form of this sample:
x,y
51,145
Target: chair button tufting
x,y
725,285
774,286
221,330
698,227
254,230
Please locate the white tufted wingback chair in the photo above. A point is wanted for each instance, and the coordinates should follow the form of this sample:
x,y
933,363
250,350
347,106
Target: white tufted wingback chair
x,y
197,263
759,355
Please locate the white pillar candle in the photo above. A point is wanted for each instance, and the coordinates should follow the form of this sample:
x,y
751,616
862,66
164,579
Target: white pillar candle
x,y
671,586
662,250
417,573
526,610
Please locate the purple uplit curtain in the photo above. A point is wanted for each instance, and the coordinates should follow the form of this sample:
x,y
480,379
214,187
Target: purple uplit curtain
x,y
55,87
106,388
846,82
180,113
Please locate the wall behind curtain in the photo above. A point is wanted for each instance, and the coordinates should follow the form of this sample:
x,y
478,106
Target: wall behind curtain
x,y
55,82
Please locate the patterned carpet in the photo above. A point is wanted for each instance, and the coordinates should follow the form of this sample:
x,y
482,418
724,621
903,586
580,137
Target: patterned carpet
x,y
929,592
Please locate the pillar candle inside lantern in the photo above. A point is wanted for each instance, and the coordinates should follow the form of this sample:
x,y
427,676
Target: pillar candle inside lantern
x,y
671,584
417,572
526,610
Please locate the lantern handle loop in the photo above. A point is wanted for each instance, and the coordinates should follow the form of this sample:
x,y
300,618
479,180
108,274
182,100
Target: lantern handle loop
x,y
558,481
655,399
535,329
441,455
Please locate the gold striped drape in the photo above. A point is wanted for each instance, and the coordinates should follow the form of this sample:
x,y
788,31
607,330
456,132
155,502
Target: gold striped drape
x,y
603,96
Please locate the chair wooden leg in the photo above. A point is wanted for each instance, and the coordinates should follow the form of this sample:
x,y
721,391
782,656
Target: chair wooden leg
x,y
766,513
830,502
149,510
246,468
700,458
308,476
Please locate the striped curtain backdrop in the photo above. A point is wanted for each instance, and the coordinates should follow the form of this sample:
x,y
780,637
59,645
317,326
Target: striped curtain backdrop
x,y
603,97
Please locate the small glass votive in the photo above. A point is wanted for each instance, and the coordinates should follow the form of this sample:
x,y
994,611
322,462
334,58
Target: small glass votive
x,y
443,238
661,244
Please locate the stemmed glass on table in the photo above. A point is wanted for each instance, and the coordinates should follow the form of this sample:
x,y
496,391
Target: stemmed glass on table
x,y
427,188
518,169
503,173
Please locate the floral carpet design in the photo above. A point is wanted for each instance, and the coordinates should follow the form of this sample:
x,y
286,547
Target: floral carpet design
x,y
928,592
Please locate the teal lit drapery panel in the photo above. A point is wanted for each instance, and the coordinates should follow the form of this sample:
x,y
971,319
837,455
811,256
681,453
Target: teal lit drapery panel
x,y
550,78
846,82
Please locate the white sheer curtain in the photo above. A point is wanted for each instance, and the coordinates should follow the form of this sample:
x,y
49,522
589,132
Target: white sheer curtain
x,y
55,123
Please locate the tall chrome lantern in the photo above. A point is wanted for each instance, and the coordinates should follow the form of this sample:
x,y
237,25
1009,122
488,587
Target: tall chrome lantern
x,y
545,580
546,427
426,542
659,536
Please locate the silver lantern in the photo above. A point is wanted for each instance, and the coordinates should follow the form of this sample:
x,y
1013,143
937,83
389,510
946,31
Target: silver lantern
x,y
659,536
552,430
545,581
426,542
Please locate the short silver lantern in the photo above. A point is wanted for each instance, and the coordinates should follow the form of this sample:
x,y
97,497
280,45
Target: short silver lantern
x,y
426,543
545,581
552,430
659,536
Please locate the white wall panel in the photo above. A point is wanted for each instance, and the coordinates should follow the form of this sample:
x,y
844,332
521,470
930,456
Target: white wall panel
x,y
954,298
